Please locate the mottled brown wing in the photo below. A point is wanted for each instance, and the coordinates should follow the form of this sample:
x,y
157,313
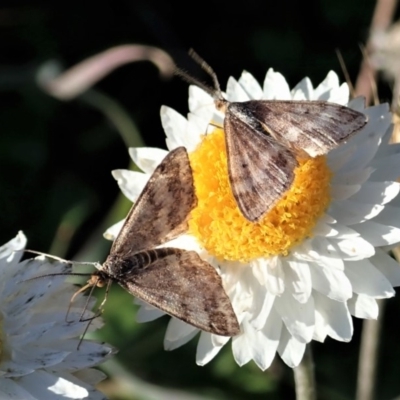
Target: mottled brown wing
x,y
314,127
186,287
161,211
260,169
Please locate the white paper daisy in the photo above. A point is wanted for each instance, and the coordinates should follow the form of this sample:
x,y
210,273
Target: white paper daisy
x,y
38,348
316,258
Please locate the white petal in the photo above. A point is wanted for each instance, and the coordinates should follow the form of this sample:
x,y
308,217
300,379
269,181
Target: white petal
x,y
261,308
45,386
366,279
147,158
348,212
206,351
390,216
366,142
251,86
339,95
331,282
113,231
387,148
378,234
298,318
324,230
290,349
320,251
357,104
200,102
235,92
175,127
217,340
26,360
355,177
343,192
275,86
322,91
339,324
386,168
11,390
271,334
377,192
169,346
258,345
340,231
131,183
241,349
298,280
303,90
387,266
14,245
363,306
145,315
355,248
269,272
89,354
178,329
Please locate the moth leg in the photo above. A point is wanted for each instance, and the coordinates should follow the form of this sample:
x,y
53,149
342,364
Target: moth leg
x,y
82,289
97,313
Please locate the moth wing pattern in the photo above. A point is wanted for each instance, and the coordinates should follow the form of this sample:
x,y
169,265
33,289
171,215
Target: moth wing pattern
x,y
260,169
186,287
160,213
313,127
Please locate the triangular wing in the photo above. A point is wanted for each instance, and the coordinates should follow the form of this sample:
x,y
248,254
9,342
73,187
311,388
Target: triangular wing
x,y
260,169
160,213
314,127
183,285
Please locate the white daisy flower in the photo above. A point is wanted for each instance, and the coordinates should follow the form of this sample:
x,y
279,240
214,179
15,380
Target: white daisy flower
x,y
38,348
316,258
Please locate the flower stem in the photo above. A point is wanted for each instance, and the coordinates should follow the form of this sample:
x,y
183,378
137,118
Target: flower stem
x,y
368,357
304,377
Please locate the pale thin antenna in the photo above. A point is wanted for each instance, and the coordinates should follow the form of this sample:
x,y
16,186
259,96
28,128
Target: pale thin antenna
x,y
59,258
206,68
193,81
215,91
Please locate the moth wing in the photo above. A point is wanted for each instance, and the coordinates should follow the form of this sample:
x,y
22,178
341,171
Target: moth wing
x,y
313,127
160,213
186,287
260,169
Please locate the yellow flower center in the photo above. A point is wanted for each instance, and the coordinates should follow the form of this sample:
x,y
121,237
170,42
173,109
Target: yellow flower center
x,y
220,227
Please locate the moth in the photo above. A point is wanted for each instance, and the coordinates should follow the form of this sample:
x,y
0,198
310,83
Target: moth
x,y
265,138
176,281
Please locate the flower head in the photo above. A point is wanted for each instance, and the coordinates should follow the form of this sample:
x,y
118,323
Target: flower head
x,y
316,258
38,348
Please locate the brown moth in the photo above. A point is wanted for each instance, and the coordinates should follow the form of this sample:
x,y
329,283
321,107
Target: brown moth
x,y
265,137
176,281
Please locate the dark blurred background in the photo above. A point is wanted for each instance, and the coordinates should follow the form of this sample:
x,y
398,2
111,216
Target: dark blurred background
x,y
56,157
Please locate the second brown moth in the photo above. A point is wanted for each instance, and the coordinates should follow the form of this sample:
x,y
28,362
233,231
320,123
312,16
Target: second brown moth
x,y
265,138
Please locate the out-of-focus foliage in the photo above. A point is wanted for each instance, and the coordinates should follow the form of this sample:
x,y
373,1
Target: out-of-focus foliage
x,y
56,157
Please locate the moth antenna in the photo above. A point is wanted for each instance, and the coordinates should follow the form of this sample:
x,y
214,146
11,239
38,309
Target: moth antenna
x,y
60,274
59,258
99,309
191,80
207,68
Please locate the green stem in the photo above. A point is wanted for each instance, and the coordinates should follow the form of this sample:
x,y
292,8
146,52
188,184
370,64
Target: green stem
x,y
304,377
